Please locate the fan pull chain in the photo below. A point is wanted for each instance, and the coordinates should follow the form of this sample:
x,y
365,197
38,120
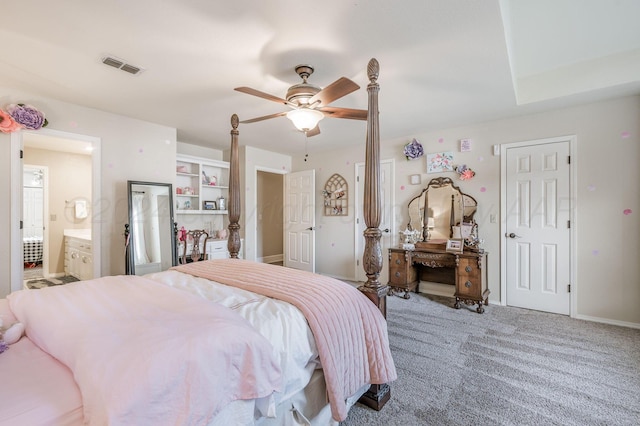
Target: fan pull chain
x,y
306,146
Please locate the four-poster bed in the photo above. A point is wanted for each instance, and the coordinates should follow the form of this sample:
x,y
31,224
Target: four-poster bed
x,y
276,344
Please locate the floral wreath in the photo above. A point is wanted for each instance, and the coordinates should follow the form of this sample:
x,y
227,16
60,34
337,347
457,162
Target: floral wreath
x,y
16,117
413,150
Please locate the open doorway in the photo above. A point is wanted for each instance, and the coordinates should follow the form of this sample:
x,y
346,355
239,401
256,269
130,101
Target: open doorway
x,y
269,232
56,213
34,207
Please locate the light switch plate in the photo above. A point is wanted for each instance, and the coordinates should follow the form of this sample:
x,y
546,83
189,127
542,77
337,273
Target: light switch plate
x,y
496,150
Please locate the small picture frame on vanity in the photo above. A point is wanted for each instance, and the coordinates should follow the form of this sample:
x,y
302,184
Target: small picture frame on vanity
x,y
454,245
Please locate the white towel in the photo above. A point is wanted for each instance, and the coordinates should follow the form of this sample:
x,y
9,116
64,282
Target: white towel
x,y
81,209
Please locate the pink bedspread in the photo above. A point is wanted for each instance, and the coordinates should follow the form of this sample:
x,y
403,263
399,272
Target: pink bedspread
x,y
145,353
350,332
35,389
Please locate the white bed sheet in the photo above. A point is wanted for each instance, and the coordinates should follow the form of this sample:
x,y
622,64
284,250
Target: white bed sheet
x,y
281,323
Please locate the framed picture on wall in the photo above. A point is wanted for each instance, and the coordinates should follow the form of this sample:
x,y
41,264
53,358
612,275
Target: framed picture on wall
x,y
440,162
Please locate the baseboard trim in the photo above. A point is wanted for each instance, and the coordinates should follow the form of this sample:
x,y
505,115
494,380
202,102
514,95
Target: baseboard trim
x,y
338,277
608,321
271,259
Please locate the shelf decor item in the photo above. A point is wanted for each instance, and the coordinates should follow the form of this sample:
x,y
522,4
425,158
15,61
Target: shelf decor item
x,y
209,205
335,196
413,150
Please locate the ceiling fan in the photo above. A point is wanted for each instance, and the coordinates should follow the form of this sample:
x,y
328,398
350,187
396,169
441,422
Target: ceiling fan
x,y
310,103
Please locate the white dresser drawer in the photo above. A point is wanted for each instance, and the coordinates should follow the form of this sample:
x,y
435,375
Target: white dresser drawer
x,y
217,249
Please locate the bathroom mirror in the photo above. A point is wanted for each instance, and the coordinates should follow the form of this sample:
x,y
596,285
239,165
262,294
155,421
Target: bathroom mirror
x,y
151,231
439,208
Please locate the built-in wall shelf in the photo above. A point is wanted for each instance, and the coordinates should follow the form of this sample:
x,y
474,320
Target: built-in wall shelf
x,y
201,191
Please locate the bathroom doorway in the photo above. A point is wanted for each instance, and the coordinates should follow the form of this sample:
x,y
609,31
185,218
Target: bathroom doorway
x,y
34,210
69,165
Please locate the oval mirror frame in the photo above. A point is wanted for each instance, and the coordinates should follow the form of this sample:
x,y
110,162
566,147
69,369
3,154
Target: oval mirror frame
x,y
151,231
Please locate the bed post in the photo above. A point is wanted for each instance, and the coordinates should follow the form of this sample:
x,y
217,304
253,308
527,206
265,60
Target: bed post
x,y
233,242
377,395
372,258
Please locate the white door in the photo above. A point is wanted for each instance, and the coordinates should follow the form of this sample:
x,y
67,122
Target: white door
x,y
386,221
300,220
537,238
33,212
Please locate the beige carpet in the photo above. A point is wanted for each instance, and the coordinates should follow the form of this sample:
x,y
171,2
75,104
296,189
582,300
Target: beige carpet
x,y
508,366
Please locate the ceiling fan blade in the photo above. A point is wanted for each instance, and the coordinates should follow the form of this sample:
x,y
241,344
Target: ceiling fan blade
x,y
254,92
264,117
349,113
339,88
313,132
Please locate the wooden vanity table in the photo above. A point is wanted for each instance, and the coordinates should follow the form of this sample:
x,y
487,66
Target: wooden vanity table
x,y
441,213
466,270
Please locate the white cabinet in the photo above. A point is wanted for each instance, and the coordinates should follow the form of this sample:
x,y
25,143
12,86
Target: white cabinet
x,y
202,186
217,249
78,258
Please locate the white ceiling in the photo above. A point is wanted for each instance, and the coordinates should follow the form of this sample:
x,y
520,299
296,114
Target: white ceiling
x,y
443,62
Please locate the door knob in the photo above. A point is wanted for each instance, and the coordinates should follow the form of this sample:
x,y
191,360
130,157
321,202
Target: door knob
x,y
512,235
386,230
311,228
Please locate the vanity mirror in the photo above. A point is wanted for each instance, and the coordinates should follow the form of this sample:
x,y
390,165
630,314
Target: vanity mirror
x,y
442,211
151,231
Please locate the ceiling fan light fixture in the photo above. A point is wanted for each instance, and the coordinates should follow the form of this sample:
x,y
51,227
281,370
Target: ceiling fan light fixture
x,y
305,119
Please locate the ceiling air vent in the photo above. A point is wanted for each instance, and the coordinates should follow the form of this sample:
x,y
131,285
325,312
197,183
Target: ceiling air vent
x,y
130,69
112,61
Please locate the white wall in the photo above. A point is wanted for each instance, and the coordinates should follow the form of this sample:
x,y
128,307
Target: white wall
x,y
199,151
131,150
334,234
606,163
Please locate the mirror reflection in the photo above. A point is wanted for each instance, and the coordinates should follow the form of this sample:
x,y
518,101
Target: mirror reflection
x,y
442,211
151,242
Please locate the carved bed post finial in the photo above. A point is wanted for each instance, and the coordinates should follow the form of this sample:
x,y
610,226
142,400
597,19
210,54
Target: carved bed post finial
x,y
373,70
377,395
233,243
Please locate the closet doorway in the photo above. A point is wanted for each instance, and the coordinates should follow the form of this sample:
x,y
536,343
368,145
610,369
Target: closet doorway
x,y
270,212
